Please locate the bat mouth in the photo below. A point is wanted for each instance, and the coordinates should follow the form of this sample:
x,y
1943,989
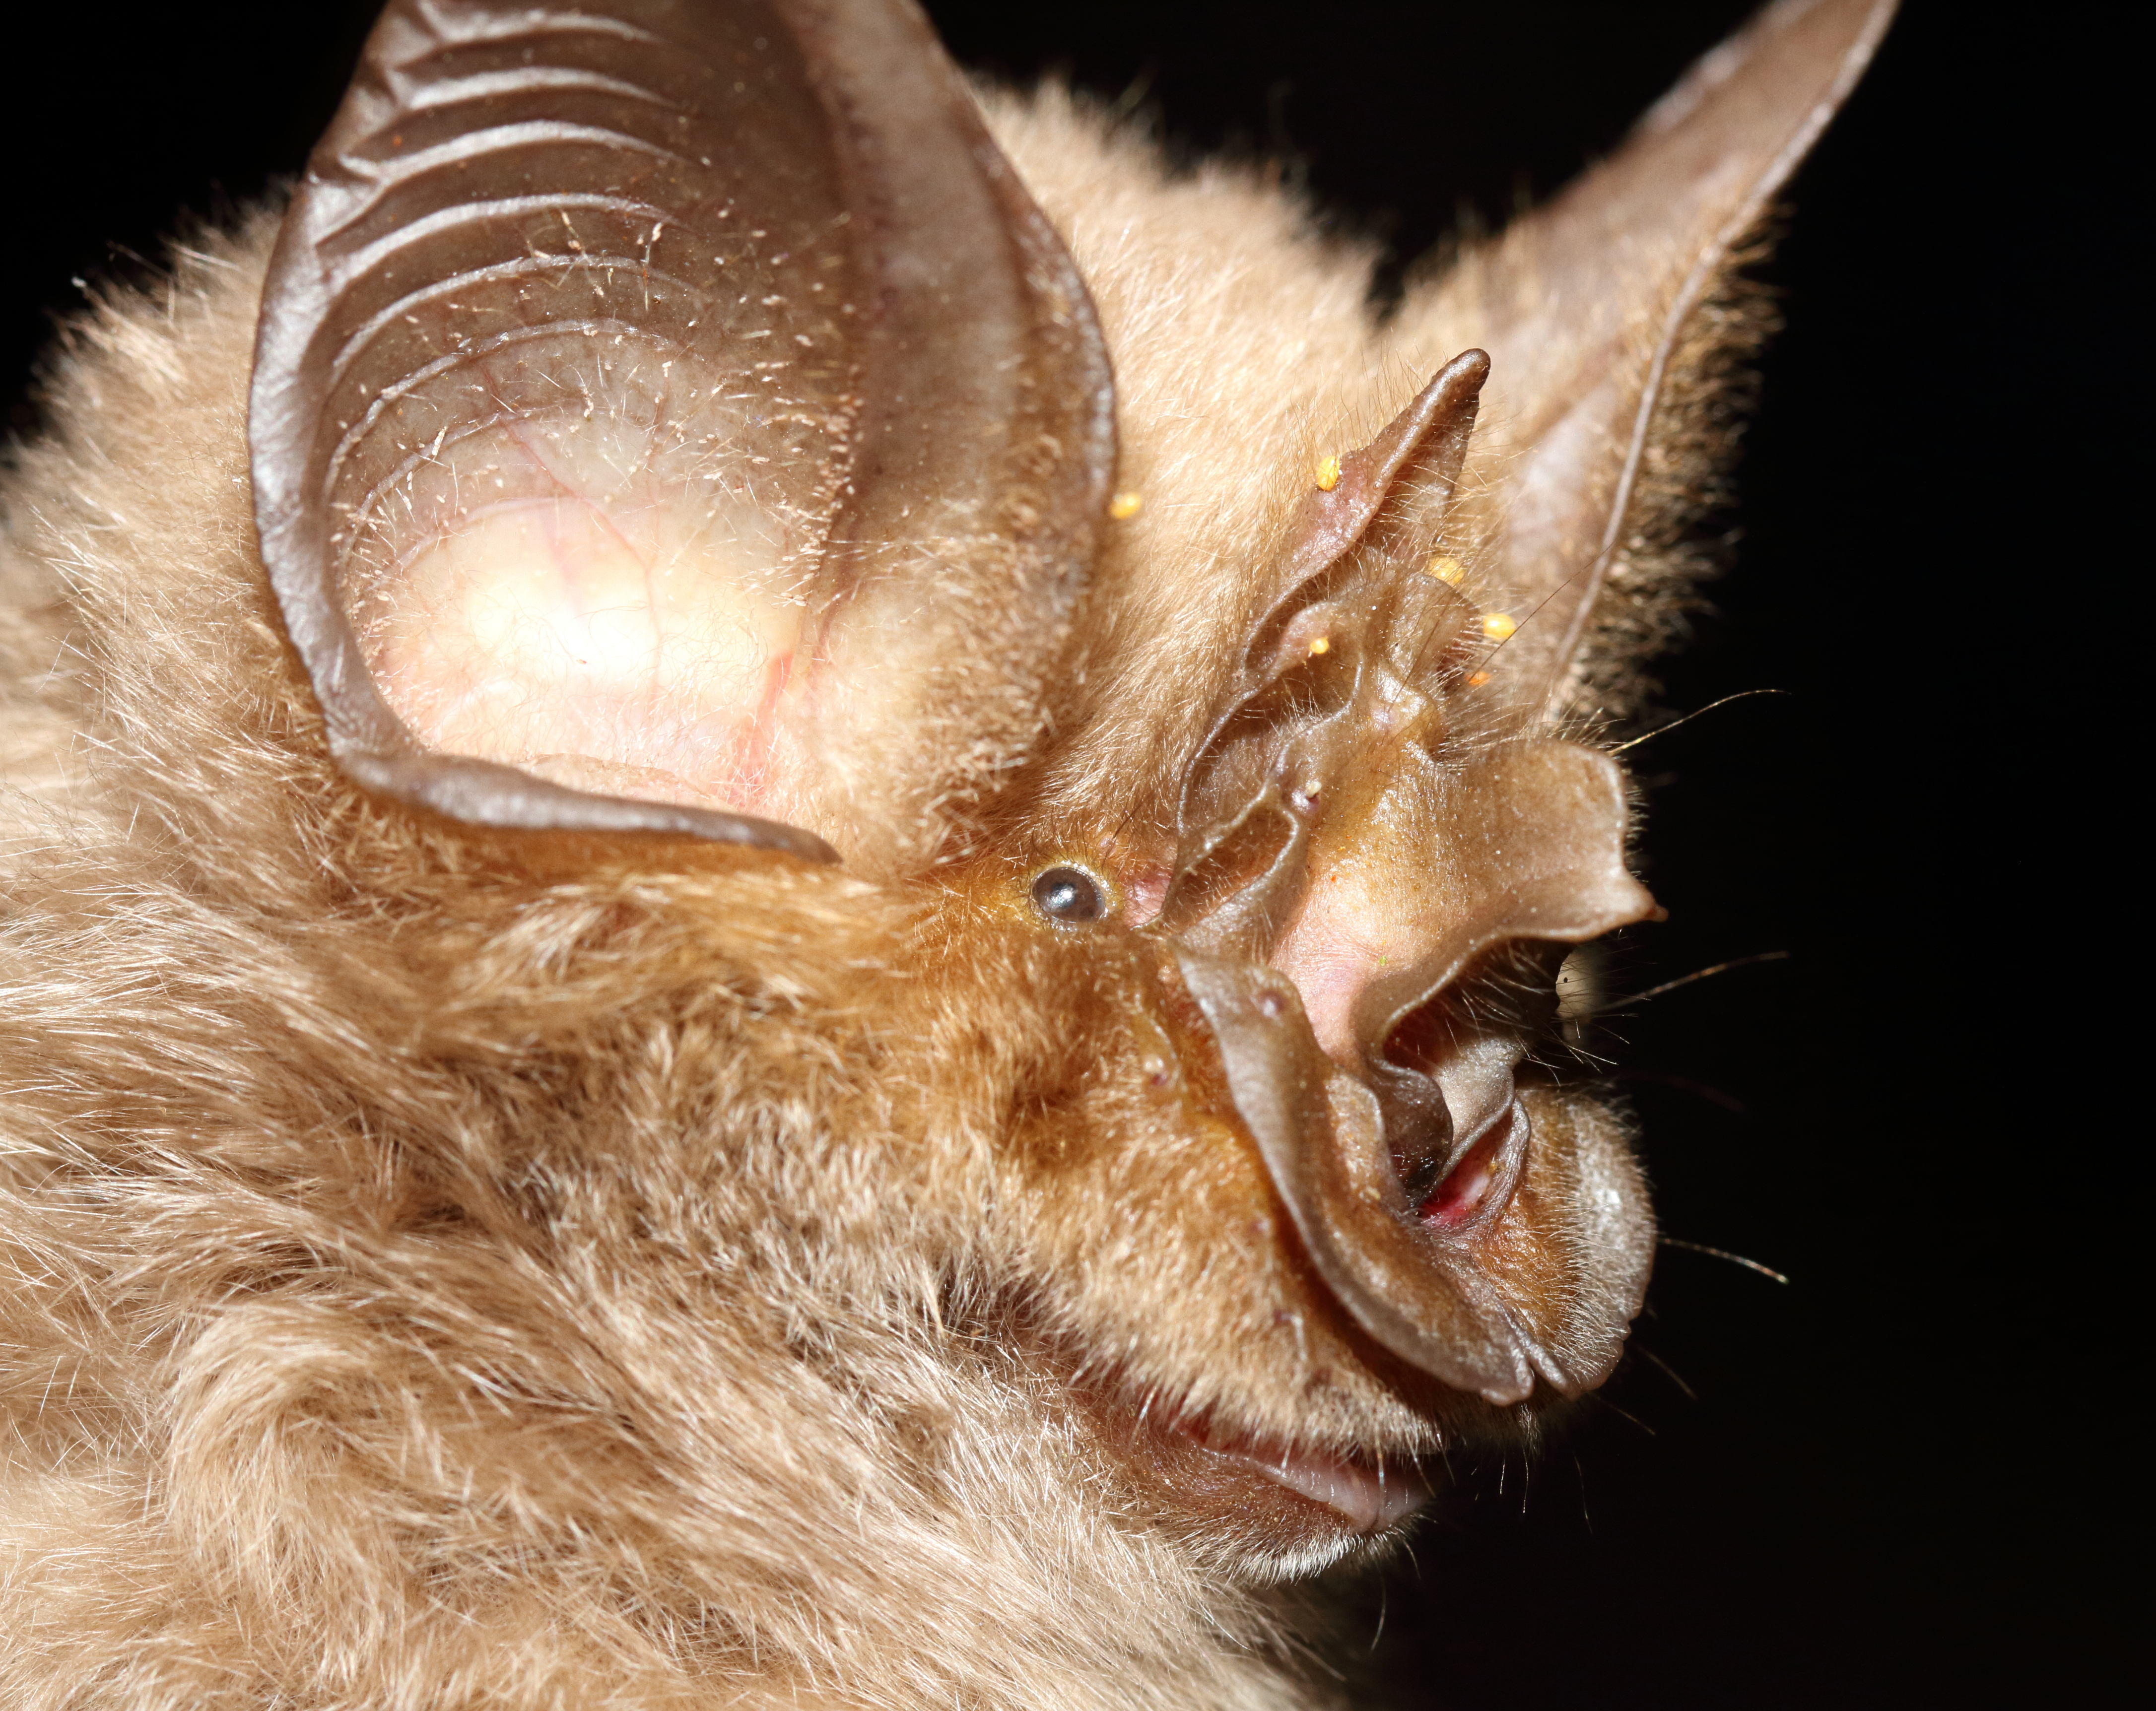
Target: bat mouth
x,y
1369,1497
1275,1502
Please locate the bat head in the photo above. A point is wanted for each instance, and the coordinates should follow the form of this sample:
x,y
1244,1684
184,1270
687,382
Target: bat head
x,y
682,446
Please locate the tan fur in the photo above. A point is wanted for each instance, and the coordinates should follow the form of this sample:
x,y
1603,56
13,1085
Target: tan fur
x,y
436,1279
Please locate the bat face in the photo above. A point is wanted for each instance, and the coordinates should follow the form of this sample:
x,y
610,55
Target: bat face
x,y
876,888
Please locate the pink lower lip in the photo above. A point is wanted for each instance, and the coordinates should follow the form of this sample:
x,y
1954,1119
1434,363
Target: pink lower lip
x,y
1462,1194
1370,1500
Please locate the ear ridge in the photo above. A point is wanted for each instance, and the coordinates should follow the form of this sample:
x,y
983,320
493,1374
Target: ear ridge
x,y
1592,308
853,384
987,326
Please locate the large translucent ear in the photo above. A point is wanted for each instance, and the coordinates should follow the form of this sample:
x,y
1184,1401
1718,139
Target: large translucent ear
x,y
1586,307
674,417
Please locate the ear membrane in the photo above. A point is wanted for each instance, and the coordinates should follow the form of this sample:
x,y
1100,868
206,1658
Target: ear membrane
x,y
674,417
1591,310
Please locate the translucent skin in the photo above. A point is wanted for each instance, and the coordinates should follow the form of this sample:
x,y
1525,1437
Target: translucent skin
x,y
639,630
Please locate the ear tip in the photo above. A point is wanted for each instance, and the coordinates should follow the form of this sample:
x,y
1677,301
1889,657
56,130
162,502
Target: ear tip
x,y
1847,32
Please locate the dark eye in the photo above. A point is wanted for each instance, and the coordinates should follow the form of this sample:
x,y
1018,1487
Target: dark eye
x,y
1069,895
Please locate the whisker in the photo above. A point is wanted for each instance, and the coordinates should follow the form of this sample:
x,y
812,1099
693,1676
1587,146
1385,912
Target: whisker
x,y
1629,1419
1667,1371
1698,973
1536,611
1685,1085
1687,718
1749,1265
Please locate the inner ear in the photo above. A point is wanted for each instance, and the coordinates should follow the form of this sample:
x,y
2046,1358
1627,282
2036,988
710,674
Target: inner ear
x,y
644,397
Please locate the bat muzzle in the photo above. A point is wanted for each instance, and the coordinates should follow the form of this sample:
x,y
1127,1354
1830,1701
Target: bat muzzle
x,y
1406,1270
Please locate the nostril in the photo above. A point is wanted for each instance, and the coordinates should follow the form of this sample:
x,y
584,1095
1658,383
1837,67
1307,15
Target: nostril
x,y
1418,1174
1468,1184
1421,1143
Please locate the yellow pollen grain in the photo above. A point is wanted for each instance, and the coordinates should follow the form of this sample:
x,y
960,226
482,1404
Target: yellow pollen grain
x,y
1125,505
1321,644
1446,569
1476,679
1497,626
1328,472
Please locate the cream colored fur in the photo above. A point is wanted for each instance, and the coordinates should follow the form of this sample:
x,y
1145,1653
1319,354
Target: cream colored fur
x,y
431,1284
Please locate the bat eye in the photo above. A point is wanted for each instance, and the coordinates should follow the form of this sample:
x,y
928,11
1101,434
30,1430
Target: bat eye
x,y
1071,895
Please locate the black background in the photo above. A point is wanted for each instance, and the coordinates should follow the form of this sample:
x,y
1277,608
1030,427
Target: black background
x,y
1894,1480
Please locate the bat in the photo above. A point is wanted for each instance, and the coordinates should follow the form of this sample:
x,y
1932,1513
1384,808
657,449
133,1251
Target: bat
x,y
793,871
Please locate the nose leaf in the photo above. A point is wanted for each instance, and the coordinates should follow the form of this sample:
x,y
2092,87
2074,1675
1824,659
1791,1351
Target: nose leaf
x,y
1445,864
1355,835
1322,1140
